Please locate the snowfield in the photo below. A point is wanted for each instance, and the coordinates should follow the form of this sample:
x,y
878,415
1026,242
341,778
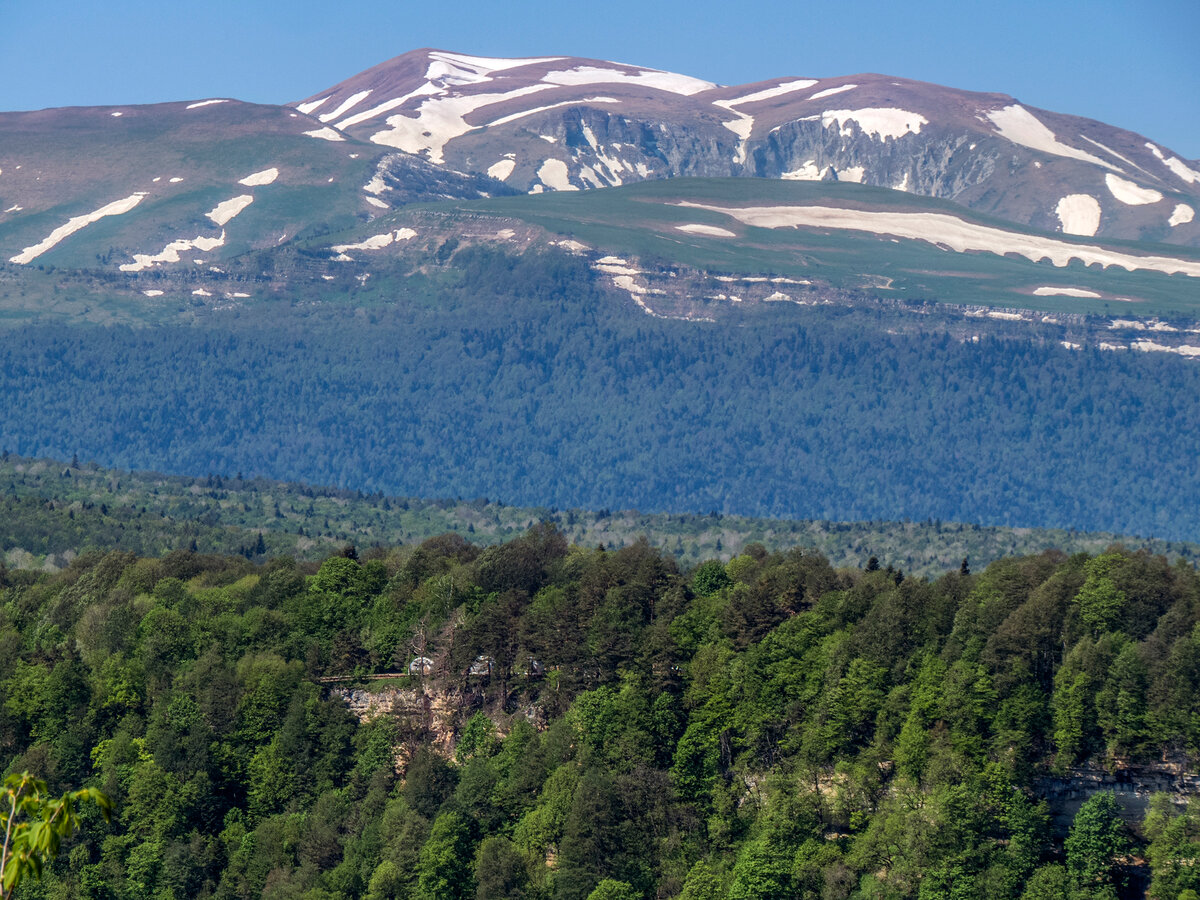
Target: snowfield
x,y
116,208
953,232
878,122
1182,215
1019,125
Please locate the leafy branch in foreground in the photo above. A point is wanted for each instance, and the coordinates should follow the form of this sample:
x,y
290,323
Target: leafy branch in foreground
x,y
35,824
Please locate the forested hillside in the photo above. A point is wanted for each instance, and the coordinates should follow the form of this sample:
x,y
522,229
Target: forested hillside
x,y
772,727
520,379
51,510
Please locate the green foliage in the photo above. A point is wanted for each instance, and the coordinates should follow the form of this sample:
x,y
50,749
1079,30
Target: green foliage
x,y
1096,840
34,824
876,739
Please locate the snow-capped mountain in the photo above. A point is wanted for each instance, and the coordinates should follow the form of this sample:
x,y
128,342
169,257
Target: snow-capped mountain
x,y
565,123
187,203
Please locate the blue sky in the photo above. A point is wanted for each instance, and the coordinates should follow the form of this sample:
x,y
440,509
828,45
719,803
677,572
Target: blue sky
x,y
1131,63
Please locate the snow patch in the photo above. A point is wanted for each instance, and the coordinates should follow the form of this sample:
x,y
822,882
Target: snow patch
x,y
1064,292
153,293
807,172
170,253
652,78
1079,214
707,230
878,122
325,134
829,92
116,208
205,103
345,106
266,176
572,246
377,241
117,115
1130,193
14,208
227,209
375,186
953,232
375,201
1019,125
554,174
852,173
175,180
1181,216
201,292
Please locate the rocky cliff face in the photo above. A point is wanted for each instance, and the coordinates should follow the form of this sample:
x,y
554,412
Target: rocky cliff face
x,y
427,715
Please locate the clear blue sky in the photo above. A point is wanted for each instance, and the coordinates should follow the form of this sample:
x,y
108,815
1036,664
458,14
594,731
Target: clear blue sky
x,y
1132,63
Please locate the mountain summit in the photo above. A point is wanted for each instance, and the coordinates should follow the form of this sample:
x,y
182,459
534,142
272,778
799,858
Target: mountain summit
x,y
566,123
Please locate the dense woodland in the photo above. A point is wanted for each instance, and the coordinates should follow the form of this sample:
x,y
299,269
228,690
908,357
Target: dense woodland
x,y
52,510
771,727
520,379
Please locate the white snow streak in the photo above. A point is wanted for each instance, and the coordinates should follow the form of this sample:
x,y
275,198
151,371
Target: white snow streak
x,y
1130,193
512,117
345,106
375,201
116,208
388,105
652,78
153,293
227,209
829,92
708,230
308,107
1020,126
1064,292
266,176
959,235
205,103
1079,214
779,90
